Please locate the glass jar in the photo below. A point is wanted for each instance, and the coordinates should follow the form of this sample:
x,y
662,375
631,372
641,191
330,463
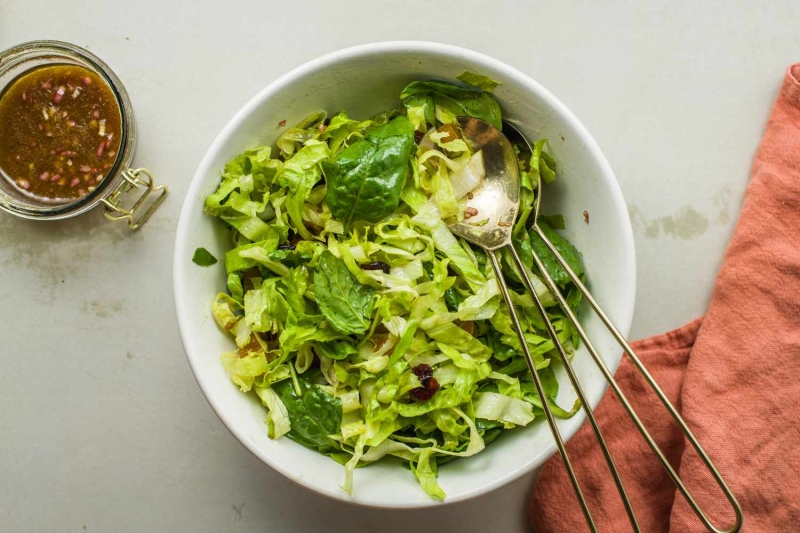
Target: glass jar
x,y
125,193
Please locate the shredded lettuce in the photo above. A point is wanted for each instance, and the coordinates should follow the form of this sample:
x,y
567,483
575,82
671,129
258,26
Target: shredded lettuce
x,y
278,416
381,335
503,408
478,80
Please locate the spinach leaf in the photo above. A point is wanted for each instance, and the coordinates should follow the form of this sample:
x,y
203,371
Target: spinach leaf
x,y
313,416
564,247
555,221
517,364
550,386
484,425
489,430
491,435
452,101
500,351
522,244
203,257
336,350
573,298
549,383
453,298
291,258
365,179
344,302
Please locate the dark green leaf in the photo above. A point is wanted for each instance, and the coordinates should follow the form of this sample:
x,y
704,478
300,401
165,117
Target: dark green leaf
x,y
488,386
549,381
555,221
574,302
336,350
483,425
550,386
343,301
500,351
203,257
457,101
517,364
291,258
427,266
574,299
491,435
522,244
314,416
365,180
564,247
453,298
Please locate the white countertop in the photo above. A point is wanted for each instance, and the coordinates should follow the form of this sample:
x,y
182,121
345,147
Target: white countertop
x,y
102,427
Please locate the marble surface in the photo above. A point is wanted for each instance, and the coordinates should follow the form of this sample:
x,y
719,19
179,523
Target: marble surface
x,y
102,425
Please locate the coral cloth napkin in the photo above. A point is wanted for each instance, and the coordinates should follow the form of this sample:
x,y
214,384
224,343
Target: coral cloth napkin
x,y
734,375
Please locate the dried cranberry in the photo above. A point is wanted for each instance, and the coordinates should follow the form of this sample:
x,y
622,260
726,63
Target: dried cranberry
x,y
429,384
377,265
423,372
423,394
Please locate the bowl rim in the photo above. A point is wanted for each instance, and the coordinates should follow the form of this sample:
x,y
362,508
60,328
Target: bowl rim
x,y
623,322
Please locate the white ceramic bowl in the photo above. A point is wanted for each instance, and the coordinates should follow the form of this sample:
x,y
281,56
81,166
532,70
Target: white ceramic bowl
x,y
365,80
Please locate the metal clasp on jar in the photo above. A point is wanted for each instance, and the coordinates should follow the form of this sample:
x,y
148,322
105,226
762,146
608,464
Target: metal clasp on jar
x,y
134,179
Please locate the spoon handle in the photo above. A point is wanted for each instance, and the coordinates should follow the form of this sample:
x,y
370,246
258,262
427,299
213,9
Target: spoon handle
x,y
551,331
737,509
551,421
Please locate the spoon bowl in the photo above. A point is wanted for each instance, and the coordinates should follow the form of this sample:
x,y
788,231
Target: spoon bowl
x,y
495,202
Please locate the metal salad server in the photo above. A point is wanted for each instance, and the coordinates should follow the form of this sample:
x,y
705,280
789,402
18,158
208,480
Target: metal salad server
x,y
496,199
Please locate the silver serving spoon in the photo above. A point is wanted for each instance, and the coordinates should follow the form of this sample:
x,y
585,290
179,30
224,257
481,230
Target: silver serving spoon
x,y
497,200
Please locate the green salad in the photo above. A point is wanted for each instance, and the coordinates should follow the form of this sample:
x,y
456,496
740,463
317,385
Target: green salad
x,y
365,327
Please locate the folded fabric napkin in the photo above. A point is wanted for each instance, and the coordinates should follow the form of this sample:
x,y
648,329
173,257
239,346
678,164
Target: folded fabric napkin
x,y
734,376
